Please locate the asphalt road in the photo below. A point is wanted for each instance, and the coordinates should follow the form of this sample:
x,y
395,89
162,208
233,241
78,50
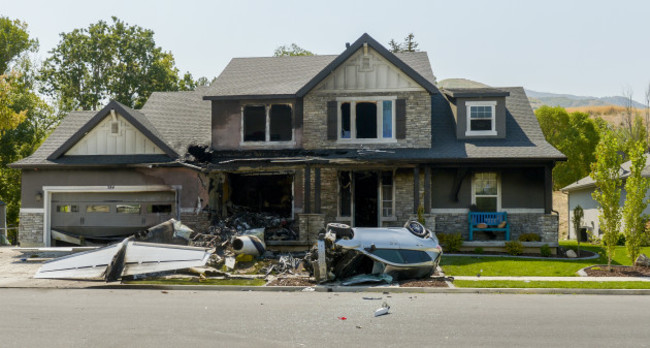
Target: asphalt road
x,y
153,318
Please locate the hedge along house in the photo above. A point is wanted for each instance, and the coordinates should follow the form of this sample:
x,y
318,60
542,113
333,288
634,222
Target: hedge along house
x,y
364,138
579,193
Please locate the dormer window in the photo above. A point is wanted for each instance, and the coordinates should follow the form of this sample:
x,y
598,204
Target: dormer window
x,y
481,118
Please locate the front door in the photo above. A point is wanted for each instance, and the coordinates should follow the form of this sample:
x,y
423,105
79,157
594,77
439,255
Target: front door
x,y
366,199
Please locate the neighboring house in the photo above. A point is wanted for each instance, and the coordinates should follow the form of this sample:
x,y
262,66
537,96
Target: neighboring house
x,y
364,138
579,193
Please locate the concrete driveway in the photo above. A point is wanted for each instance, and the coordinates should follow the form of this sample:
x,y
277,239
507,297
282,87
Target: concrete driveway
x,y
17,271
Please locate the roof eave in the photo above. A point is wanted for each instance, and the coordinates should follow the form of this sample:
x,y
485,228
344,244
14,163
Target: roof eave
x,y
249,96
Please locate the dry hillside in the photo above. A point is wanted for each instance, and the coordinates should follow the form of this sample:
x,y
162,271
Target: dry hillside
x,y
560,204
613,114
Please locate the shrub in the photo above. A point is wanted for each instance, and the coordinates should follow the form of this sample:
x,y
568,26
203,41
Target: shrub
x,y
545,250
530,237
514,248
620,240
478,250
450,242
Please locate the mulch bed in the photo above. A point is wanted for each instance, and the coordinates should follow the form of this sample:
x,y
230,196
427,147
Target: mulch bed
x,y
295,281
618,271
424,283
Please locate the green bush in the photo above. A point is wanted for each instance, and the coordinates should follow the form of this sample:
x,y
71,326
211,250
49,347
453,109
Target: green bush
x,y
545,250
530,237
478,250
514,247
450,242
620,241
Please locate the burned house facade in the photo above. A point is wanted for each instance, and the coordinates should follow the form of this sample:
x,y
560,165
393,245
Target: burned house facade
x,y
364,138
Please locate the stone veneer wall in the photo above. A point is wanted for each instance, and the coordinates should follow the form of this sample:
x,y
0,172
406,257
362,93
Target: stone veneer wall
x,y
309,226
545,225
418,121
30,230
198,222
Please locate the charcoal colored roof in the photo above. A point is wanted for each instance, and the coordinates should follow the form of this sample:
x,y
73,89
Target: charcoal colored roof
x,y
474,92
288,76
182,118
588,182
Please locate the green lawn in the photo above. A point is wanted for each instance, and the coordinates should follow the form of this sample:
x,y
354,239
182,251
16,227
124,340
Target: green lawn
x,y
549,284
512,266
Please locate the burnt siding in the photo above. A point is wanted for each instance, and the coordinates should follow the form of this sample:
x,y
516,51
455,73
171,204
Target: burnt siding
x,y
226,125
443,190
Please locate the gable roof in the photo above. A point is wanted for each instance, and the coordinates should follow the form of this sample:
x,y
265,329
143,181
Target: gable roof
x,y
135,118
624,171
294,76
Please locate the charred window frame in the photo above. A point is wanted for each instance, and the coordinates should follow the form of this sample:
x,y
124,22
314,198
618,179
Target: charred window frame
x,y
481,118
386,192
269,123
486,191
366,119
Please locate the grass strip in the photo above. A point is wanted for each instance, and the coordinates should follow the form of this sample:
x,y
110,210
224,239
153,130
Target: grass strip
x,y
550,284
193,281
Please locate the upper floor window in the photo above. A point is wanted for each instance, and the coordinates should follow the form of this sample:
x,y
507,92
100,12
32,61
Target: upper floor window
x,y
481,118
367,119
267,123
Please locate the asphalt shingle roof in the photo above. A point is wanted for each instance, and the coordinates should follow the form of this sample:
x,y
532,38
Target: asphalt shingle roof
x,y
287,75
587,181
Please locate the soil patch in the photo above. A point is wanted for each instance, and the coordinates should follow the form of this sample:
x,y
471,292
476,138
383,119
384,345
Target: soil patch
x,y
295,281
617,271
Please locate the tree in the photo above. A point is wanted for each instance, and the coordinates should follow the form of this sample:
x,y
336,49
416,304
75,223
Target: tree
x,y
9,117
291,50
606,172
14,42
636,188
409,45
101,62
575,135
647,113
578,215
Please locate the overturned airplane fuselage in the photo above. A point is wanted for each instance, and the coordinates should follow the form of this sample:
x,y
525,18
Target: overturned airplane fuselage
x,y
403,253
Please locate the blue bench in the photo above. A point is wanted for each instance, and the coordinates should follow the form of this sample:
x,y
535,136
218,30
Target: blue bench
x,y
492,220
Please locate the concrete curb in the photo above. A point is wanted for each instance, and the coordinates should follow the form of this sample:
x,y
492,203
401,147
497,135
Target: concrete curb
x,y
380,289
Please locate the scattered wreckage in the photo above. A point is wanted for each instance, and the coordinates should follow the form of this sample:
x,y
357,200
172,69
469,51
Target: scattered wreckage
x,y
343,252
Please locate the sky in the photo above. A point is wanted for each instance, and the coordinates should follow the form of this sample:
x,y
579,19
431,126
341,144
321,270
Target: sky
x,y
592,47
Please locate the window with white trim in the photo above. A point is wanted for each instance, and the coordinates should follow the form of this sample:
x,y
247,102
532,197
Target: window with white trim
x,y
481,118
267,123
368,119
486,192
387,194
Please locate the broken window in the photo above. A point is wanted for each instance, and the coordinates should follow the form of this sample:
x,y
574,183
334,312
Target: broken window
x,y
160,208
366,120
346,124
128,208
280,122
345,194
263,193
387,194
254,123
67,208
98,208
485,192
371,118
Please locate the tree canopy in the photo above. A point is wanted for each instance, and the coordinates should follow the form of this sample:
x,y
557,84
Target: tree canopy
x,y
575,135
291,50
117,61
408,45
14,42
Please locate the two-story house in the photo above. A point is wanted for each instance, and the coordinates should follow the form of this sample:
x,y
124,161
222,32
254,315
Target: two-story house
x,y
364,138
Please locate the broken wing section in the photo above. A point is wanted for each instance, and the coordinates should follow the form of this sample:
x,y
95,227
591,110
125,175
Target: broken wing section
x,y
142,258
91,265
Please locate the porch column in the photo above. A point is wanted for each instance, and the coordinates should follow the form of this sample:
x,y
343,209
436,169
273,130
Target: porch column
x,y
416,189
427,190
548,189
306,203
317,190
